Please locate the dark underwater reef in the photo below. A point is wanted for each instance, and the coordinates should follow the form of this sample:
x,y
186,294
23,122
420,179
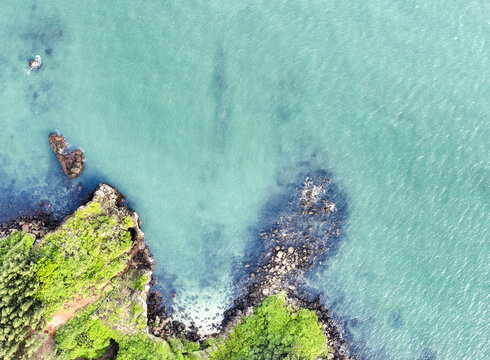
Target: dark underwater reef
x,y
89,279
301,227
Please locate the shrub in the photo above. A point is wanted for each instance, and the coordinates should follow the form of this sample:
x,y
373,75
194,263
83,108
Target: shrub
x,y
142,348
140,282
83,337
87,250
274,331
20,311
89,338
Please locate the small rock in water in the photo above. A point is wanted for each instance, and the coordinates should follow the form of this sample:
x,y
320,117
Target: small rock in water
x,y
71,162
35,64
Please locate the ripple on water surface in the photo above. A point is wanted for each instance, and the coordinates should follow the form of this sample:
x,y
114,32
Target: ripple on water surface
x,y
212,103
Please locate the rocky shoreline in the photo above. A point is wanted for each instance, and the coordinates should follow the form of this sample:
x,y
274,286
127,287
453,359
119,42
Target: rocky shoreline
x,y
38,224
295,243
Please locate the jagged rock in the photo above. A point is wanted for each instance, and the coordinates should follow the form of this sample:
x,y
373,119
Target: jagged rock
x,y
35,64
38,225
71,162
296,242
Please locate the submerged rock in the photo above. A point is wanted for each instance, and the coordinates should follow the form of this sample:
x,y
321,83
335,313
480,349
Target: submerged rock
x,y
297,241
127,305
71,162
35,64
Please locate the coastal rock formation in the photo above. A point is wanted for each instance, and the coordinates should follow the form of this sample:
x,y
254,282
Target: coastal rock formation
x,y
71,162
35,64
162,324
296,242
114,275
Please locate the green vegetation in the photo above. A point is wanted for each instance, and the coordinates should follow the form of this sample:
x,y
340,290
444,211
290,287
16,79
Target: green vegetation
x,y
78,259
117,316
81,256
84,337
140,283
275,331
122,307
142,348
20,311
87,256
89,336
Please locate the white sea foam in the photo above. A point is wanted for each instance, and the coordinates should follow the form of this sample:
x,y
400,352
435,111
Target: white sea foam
x,y
204,307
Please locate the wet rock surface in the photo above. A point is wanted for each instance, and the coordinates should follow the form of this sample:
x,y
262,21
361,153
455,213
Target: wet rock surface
x,y
38,224
35,63
304,235
300,239
162,324
71,162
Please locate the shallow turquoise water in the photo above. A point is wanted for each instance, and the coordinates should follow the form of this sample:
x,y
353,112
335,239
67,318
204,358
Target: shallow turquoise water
x,y
199,111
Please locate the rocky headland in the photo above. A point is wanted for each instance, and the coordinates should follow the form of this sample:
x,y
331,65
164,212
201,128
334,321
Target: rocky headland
x,y
126,304
115,242
295,243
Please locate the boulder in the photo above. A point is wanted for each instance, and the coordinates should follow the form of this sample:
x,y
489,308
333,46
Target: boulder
x,y
35,64
71,162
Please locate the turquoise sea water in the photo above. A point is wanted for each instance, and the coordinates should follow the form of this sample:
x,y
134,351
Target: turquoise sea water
x,y
199,111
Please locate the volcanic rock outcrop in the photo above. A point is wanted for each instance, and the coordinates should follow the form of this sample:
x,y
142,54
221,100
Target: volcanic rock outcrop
x,y
302,236
71,161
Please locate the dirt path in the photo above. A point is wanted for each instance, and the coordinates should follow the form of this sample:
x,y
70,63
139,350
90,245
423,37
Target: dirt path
x,y
60,318
68,311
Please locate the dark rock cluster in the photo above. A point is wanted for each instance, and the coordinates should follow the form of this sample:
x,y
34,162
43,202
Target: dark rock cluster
x,y
71,162
161,323
298,241
38,224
